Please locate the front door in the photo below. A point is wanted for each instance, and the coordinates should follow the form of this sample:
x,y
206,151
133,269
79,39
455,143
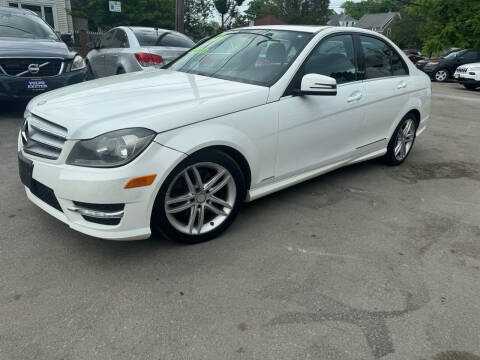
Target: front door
x,y
318,130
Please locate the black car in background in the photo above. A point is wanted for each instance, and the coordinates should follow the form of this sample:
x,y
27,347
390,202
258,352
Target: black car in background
x,y
443,69
32,57
421,63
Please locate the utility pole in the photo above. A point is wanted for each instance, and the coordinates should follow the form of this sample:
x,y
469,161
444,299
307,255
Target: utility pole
x,y
179,15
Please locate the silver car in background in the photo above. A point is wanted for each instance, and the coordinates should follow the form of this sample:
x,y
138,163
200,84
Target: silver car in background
x,y
127,49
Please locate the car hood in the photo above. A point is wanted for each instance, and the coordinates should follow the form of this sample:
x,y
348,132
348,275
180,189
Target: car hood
x,y
159,100
19,47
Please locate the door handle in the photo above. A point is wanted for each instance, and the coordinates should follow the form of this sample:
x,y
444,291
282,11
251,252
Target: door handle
x,y
115,55
355,97
402,85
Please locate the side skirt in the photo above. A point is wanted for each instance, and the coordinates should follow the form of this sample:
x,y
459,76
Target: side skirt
x,y
281,184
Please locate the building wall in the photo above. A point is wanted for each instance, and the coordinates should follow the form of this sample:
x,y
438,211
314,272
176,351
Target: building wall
x,y
62,20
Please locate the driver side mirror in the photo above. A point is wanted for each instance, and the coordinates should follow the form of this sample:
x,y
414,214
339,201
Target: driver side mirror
x,y
316,84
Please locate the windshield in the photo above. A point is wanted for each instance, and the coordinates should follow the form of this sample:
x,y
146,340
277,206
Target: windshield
x,y
453,54
258,57
25,26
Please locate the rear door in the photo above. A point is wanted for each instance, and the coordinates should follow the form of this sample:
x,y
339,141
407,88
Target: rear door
x,y
96,57
118,47
387,84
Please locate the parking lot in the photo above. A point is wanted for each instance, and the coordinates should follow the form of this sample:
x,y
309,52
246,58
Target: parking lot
x,y
367,262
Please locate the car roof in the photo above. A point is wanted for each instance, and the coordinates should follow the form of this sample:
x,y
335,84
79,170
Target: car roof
x,y
301,28
314,29
17,11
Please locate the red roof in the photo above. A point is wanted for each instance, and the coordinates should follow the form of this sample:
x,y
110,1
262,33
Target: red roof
x,y
269,20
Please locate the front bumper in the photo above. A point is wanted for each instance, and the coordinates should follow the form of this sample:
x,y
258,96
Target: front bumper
x,y
467,79
73,184
12,87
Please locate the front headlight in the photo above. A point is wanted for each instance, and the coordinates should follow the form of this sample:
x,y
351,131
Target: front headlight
x,y
78,63
112,149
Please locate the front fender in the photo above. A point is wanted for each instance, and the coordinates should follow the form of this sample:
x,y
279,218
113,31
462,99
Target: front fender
x,y
252,132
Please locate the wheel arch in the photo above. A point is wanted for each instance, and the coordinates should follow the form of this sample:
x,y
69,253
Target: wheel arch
x,y
237,156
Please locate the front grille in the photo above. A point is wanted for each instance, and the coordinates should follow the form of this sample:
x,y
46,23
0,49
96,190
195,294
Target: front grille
x,y
462,70
31,67
45,194
43,138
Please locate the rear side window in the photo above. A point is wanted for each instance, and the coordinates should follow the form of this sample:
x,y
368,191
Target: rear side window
x,y
469,56
175,40
381,60
107,40
121,39
334,57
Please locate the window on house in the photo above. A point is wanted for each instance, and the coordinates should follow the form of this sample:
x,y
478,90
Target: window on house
x,y
44,11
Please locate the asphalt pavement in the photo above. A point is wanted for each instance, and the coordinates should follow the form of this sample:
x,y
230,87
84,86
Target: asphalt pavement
x,y
367,262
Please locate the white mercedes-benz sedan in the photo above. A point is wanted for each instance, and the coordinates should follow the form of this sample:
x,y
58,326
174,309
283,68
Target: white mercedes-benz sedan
x,y
249,112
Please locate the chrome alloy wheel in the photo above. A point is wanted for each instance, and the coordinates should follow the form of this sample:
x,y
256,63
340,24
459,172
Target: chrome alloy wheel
x,y
200,198
405,137
441,75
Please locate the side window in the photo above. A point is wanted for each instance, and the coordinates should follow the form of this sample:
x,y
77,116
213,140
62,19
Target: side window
x,y
469,56
115,42
334,57
380,59
107,40
121,39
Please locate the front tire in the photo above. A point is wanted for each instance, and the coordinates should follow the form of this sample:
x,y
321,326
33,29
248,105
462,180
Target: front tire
x,y
402,141
442,75
200,198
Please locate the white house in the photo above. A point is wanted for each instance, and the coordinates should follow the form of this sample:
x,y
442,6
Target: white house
x,y
54,12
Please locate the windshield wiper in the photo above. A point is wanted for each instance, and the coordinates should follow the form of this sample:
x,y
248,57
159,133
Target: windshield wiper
x,y
13,27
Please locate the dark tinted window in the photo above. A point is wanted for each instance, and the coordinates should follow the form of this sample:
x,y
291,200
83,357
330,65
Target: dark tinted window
x,y
469,56
380,59
120,39
147,37
24,26
107,40
175,40
334,57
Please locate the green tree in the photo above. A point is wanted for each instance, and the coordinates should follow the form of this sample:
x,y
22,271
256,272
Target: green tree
x,y
154,13
308,12
406,29
197,13
228,10
358,9
453,23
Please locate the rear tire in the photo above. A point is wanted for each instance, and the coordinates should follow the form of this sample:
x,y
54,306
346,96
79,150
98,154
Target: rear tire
x,y
200,198
470,86
120,71
402,141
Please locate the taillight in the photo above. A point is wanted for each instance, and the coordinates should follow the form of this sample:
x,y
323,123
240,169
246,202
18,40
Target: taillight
x,y
146,59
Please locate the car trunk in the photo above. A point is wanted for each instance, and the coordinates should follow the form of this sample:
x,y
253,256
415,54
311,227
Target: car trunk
x,y
166,52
